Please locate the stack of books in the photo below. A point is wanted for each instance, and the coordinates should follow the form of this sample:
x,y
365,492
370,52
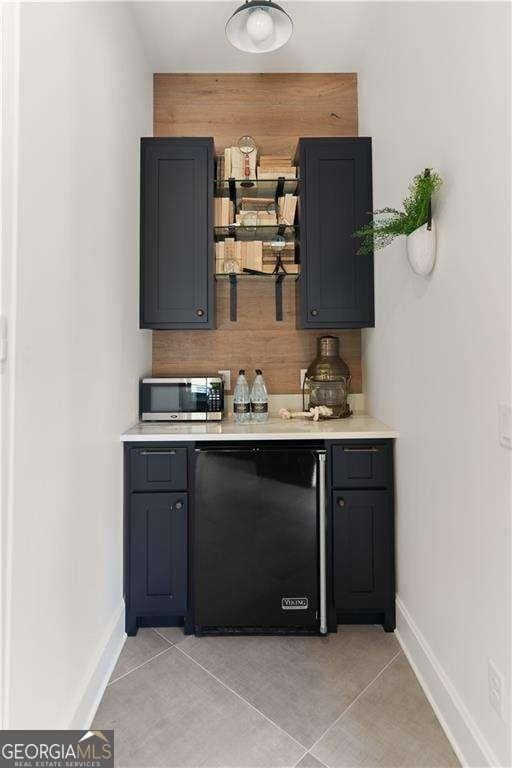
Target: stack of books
x,y
256,218
219,168
275,166
224,212
287,207
233,256
287,257
236,163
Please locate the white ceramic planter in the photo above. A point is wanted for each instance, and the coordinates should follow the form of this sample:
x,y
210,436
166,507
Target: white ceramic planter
x,y
421,249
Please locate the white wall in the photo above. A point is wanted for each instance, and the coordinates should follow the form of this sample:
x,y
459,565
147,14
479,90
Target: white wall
x,y
85,99
327,36
435,90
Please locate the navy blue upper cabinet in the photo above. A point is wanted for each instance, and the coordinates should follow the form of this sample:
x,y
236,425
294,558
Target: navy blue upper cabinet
x,y
336,285
176,290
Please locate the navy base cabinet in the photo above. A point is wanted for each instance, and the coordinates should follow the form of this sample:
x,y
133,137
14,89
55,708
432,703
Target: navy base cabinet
x,y
335,289
177,234
363,583
160,499
156,536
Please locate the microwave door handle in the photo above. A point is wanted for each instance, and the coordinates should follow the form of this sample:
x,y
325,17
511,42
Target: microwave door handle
x,y
321,542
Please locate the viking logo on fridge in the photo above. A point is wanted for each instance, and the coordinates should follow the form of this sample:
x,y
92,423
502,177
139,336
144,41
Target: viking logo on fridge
x,y
294,603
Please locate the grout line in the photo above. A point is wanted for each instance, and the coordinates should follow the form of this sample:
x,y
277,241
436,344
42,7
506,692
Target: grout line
x,y
162,637
309,753
116,679
390,662
224,685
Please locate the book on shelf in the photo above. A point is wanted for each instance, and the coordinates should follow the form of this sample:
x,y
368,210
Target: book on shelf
x,y
256,218
227,162
272,174
256,203
228,256
273,260
252,251
291,269
224,211
238,165
275,161
219,256
219,168
287,206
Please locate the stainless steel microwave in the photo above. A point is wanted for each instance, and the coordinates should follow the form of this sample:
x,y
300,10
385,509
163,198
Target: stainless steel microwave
x,y
194,398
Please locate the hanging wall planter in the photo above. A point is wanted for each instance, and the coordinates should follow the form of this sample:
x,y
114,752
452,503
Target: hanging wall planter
x,y
415,222
421,249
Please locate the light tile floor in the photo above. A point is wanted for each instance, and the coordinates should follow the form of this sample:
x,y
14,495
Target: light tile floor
x,y
344,701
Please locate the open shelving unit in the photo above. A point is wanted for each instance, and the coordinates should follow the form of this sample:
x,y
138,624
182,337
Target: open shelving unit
x,y
258,189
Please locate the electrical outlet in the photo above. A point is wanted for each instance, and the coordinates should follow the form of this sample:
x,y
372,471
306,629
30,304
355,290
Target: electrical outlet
x,y
495,681
302,377
226,378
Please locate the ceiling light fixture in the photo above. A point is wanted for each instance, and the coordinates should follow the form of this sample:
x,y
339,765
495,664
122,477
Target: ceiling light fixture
x,y
259,26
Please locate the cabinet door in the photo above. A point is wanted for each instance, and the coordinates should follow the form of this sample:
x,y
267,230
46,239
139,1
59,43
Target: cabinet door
x,y
336,285
363,551
177,233
158,553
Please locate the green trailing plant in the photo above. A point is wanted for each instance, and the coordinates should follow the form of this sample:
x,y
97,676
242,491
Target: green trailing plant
x,y
388,223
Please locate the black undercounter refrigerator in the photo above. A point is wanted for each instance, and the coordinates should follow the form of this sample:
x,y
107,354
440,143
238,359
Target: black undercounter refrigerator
x,y
259,540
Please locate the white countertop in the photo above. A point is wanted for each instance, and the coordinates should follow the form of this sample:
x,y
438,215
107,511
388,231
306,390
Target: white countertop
x,y
357,427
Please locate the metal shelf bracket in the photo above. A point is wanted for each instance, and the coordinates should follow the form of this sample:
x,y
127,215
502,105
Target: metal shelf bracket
x,y
232,296
279,295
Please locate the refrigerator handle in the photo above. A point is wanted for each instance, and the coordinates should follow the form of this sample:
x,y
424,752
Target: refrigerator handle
x,y
321,542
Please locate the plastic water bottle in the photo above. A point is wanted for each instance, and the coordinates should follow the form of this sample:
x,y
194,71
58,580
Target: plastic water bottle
x,y
241,400
259,398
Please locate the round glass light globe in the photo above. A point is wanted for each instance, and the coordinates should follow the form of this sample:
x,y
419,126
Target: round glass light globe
x,y
259,25
278,243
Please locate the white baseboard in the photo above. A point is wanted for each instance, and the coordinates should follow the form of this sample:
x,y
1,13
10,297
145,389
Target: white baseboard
x,y
469,744
99,673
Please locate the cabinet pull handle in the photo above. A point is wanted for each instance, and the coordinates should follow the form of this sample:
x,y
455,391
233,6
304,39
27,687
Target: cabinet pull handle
x,y
199,312
158,453
178,505
314,312
341,502
361,450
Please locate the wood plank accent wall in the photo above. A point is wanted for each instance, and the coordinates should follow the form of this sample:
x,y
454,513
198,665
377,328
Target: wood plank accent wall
x,y
255,340
276,109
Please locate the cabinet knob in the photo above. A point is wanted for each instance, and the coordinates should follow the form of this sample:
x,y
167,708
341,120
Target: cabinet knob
x,y
314,312
178,505
341,502
199,312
